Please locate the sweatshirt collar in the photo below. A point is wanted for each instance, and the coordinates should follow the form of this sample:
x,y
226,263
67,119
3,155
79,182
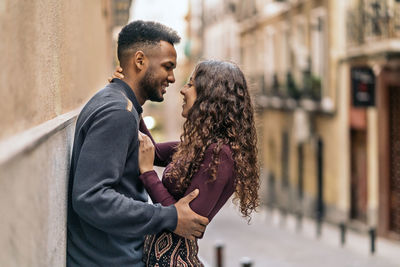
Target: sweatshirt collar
x,y
129,93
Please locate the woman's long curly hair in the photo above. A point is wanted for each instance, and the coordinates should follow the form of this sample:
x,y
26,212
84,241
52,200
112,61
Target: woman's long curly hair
x,y
222,114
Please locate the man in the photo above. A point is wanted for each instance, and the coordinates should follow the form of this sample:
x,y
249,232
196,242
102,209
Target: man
x,y
107,211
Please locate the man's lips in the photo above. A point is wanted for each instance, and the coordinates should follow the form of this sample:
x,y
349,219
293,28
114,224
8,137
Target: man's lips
x,y
163,88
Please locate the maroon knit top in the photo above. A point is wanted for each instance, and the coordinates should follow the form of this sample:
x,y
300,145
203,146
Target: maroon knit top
x,y
212,196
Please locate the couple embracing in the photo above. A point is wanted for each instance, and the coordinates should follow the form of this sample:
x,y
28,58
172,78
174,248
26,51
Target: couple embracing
x,y
110,222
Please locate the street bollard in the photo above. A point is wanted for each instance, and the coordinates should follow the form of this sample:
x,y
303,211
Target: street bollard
x,y
299,225
342,227
320,185
271,190
283,217
372,235
319,227
246,262
219,254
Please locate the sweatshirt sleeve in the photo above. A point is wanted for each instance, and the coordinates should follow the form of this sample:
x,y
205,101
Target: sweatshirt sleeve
x,y
210,192
163,151
99,170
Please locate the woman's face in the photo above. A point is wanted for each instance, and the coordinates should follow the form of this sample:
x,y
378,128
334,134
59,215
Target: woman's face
x,y
189,97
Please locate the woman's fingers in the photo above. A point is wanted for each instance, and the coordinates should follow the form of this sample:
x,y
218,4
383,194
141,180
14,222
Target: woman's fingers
x,y
117,74
140,136
145,141
148,143
146,153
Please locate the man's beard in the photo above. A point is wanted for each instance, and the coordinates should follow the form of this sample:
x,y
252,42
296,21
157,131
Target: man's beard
x,y
150,85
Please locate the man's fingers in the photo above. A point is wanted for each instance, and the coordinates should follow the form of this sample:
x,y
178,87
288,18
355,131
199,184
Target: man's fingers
x,y
198,234
192,195
202,221
200,228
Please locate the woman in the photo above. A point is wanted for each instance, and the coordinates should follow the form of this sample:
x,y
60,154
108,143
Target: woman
x,y
217,154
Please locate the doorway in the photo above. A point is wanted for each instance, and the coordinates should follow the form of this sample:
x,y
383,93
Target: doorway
x,y
358,185
394,161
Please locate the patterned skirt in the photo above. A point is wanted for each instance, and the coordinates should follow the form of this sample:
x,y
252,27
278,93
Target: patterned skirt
x,y
169,249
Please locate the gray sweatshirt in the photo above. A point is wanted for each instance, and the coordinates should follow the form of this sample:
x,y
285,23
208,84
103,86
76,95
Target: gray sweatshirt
x,y
107,211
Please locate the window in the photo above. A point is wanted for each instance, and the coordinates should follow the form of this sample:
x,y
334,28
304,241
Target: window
x,y
318,53
269,58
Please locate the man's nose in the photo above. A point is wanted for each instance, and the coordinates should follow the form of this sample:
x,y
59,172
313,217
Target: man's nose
x,y
171,77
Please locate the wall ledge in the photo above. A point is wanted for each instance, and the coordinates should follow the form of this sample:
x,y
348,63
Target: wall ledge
x,y
30,139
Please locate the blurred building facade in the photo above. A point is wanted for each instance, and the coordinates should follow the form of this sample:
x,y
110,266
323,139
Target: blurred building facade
x,y
324,77
221,30
55,56
372,61
285,48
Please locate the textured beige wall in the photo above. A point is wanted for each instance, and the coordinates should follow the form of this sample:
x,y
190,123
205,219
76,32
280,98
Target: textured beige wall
x,y
54,55
33,200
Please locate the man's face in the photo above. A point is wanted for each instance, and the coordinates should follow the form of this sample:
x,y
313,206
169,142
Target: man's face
x,y
160,72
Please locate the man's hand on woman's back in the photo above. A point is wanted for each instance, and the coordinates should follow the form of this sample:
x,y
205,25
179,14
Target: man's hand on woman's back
x,y
190,225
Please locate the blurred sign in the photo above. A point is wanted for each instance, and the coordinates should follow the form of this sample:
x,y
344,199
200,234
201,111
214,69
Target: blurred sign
x,y
363,87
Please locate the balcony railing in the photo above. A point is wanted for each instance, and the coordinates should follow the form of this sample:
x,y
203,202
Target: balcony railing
x,y
289,95
369,20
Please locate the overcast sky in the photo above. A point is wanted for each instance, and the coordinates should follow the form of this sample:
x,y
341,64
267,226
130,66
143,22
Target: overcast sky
x,y
168,12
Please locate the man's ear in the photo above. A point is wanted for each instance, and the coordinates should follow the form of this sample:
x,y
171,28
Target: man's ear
x,y
139,60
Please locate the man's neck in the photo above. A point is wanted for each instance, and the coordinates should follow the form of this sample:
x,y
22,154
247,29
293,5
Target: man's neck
x,y
135,88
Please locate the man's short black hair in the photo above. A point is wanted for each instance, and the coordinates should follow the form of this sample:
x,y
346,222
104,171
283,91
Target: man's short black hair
x,y
140,34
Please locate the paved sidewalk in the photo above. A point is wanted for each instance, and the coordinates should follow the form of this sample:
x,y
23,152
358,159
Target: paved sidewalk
x,y
269,243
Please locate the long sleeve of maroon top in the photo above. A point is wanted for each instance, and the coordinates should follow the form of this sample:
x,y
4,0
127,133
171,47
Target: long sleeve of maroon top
x,y
163,151
213,195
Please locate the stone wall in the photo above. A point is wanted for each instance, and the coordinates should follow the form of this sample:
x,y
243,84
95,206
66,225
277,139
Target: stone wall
x,y
55,54
33,194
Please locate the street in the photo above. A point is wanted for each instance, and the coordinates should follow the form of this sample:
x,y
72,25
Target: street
x,y
267,241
